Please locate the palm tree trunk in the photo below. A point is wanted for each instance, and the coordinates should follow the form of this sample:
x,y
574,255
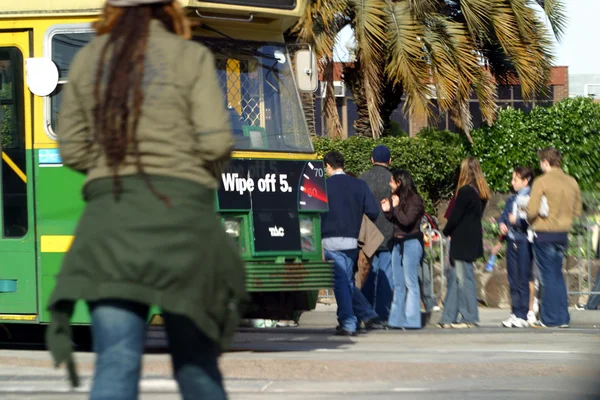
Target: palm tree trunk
x,y
353,79
308,106
330,112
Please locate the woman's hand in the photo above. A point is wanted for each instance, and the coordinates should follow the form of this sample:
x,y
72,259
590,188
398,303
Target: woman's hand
x,y
503,229
385,205
395,200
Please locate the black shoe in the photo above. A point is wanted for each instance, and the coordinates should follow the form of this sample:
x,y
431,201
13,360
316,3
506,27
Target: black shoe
x,y
374,324
343,332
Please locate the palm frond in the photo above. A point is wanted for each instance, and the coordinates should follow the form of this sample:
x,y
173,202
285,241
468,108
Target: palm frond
x,y
369,29
408,63
557,15
477,16
527,47
421,8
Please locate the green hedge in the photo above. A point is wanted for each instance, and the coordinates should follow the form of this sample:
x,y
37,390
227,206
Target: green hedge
x,y
433,157
432,163
572,126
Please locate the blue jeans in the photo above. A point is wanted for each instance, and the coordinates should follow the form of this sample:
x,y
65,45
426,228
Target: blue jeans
x,y
406,306
119,333
361,307
461,295
519,263
378,285
343,288
554,307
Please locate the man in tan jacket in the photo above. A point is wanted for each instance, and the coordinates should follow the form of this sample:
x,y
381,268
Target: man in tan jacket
x,y
563,200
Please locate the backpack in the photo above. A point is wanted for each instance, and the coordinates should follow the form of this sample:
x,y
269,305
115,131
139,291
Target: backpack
x,y
430,229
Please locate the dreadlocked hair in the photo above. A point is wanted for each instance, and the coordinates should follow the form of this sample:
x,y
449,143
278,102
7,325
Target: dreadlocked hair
x,y
118,109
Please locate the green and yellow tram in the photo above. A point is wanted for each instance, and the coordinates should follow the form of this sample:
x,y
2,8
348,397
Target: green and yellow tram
x,y
273,191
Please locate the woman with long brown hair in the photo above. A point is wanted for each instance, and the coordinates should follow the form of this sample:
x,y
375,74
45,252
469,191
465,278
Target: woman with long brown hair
x,y
143,118
466,245
405,212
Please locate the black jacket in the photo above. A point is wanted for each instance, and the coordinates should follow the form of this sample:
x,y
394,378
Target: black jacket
x,y
464,225
407,223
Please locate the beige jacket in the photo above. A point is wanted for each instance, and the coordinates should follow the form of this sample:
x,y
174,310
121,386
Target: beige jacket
x,y
564,202
369,240
369,237
184,130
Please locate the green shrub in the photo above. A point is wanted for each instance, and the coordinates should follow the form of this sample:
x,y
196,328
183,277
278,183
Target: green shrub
x,y
433,157
572,126
432,163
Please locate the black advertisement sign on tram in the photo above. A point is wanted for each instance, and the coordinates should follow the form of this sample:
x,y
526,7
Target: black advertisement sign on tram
x,y
274,191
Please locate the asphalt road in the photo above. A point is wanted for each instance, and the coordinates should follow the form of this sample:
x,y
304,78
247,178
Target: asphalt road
x,y
308,362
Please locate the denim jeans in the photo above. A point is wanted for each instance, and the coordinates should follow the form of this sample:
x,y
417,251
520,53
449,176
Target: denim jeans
x,y
461,295
119,333
406,305
554,307
378,286
425,285
343,288
362,308
519,264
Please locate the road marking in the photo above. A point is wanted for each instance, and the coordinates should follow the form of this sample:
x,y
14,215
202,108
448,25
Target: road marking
x,y
330,350
266,386
410,390
146,385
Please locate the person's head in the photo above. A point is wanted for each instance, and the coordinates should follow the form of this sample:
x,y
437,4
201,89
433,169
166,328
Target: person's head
x,y
549,158
334,162
471,174
403,185
521,178
381,156
118,86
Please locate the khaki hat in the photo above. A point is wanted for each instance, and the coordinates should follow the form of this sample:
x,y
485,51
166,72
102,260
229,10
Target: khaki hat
x,y
134,3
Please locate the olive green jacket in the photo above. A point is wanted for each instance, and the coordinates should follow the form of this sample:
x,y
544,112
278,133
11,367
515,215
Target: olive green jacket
x,y
184,130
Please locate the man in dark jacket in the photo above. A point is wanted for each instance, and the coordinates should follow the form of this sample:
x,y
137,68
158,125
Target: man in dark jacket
x,y
378,286
349,198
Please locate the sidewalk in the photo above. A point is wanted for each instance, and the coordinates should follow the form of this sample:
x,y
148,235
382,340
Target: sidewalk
x,y
324,316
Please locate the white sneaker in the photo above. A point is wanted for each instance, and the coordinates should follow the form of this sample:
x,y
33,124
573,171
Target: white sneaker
x,y
520,323
436,308
536,305
531,318
510,322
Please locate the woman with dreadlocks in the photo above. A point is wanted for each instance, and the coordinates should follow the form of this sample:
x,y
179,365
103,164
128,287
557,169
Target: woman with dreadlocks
x,y
144,119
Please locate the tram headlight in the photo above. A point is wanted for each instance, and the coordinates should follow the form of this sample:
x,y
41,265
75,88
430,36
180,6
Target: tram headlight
x,y
232,227
307,234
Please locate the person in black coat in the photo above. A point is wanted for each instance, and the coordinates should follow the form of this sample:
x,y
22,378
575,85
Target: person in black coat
x,y
465,232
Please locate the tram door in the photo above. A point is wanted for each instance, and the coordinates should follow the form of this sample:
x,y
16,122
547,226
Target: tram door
x,y
18,282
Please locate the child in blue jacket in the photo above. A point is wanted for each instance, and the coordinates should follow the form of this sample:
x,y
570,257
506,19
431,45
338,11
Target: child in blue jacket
x,y
519,255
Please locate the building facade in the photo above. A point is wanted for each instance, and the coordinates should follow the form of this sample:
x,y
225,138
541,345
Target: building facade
x,y
509,95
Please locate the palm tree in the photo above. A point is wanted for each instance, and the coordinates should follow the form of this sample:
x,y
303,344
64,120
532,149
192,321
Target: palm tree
x,y
442,48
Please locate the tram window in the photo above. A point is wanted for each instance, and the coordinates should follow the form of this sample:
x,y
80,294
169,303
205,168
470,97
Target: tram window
x,y
260,92
64,47
14,220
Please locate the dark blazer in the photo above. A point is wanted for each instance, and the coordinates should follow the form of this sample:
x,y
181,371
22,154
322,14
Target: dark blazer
x,y
464,225
378,179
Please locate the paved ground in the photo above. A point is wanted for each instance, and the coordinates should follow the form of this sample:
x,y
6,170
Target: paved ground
x,y
310,363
